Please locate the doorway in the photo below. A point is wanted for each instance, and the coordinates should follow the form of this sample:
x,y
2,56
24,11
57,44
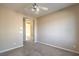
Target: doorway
x,y
28,30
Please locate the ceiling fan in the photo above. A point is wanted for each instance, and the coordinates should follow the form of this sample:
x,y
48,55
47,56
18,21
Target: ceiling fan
x,y
36,8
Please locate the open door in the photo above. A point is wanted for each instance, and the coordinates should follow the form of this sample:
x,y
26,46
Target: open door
x,y
28,30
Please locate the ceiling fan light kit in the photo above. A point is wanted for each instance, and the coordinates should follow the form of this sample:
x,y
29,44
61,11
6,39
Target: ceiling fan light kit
x,y
36,8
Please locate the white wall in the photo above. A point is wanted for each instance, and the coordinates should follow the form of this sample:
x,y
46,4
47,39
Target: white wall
x,y
60,29
11,24
35,30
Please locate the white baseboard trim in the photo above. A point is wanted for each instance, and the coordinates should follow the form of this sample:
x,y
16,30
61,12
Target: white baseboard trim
x,y
10,49
35,41
59,47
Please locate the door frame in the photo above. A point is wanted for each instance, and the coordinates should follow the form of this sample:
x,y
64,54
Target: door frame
x,y
24,29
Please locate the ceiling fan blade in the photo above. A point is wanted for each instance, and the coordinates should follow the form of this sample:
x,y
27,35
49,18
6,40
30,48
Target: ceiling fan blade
x,y
43,8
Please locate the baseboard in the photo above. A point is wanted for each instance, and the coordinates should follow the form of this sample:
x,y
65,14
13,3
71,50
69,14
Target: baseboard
x,y
10,49
59,47
35,41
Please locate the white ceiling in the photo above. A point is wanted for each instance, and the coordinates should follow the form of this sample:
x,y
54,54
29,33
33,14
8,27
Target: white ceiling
x,y
25,7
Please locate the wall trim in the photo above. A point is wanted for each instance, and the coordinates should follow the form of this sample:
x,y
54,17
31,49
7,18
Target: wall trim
x,y
69,50
6,50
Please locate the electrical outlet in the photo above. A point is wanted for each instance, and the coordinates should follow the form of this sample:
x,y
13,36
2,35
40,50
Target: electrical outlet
x,y
21,28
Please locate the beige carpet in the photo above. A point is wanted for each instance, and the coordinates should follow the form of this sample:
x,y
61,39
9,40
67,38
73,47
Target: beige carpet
x,y
38,49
